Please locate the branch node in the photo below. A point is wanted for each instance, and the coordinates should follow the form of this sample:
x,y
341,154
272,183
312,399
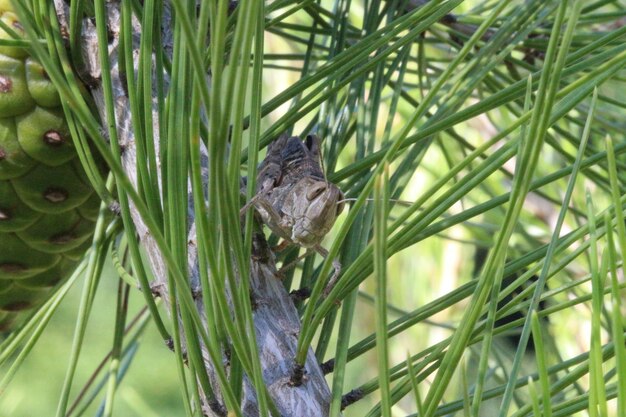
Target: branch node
x,y
328,366
169,342
300,294
156,288
351,397
297,375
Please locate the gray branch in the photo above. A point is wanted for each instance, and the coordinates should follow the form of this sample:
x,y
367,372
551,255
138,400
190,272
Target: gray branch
x,y
276,320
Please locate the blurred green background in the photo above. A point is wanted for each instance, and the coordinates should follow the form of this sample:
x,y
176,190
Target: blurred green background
x,y
150,387
417,275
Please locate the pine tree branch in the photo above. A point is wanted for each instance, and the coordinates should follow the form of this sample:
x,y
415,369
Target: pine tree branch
x,y
276,321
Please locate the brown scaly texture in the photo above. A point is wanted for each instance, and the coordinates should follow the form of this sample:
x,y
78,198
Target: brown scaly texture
x,y
293,196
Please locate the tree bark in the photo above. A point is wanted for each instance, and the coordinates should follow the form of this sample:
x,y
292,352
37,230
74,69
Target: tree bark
x,y
276,320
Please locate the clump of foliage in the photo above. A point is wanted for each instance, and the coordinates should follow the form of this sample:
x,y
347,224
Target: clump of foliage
x,y
480,148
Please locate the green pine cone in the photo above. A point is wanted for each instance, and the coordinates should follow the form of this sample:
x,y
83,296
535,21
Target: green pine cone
x,y
47,207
